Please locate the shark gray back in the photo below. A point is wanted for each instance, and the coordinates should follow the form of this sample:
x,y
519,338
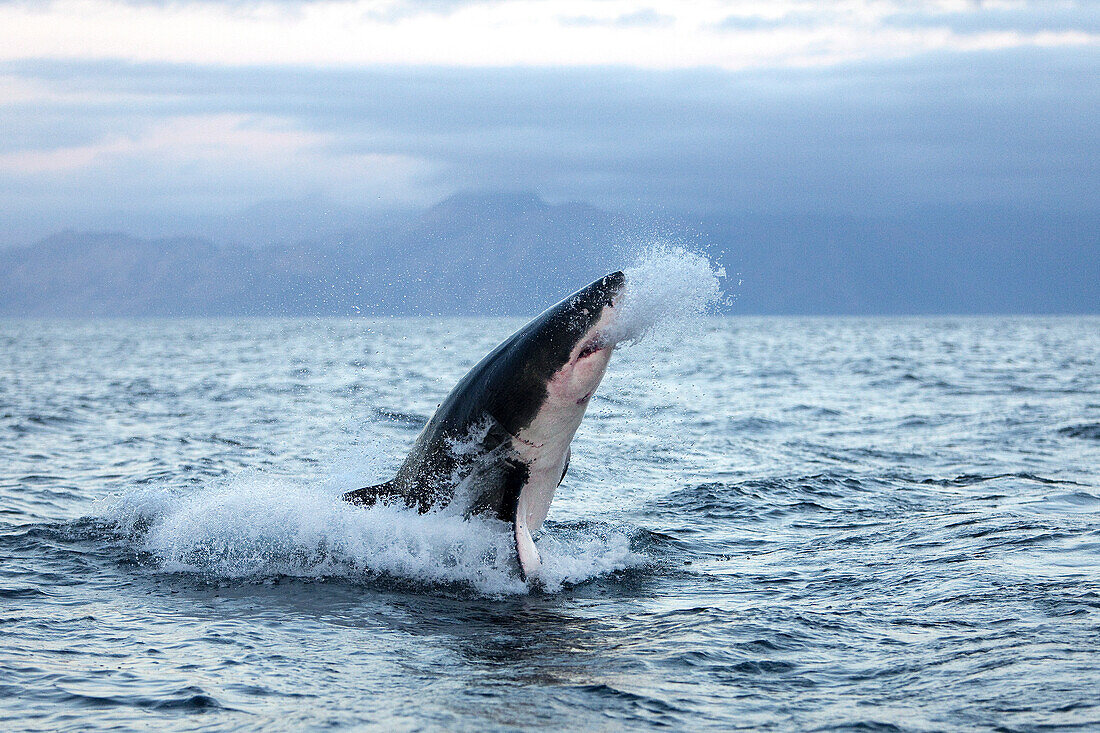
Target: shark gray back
x,y
498,445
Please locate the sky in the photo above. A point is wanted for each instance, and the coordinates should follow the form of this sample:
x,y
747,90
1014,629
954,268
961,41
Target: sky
x,y
144,114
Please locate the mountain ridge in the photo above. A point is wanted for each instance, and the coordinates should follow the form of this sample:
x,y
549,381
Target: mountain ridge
x,y
467,254
479,252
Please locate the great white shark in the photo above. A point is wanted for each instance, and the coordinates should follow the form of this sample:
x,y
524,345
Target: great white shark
x,y
498,445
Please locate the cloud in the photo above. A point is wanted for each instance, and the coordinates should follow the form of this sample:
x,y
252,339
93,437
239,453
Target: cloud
x,y
222,137
1010,129
742,106
638,18
1032,17
762,23
194,164
656,34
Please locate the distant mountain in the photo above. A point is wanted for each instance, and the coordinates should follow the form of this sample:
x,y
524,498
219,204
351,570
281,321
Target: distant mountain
x,y
309,219
515,253
472,253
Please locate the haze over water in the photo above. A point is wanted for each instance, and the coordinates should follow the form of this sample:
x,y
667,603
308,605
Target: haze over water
x,y
768,523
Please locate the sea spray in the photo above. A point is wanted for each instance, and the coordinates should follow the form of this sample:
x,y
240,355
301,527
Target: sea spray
x,y
667,286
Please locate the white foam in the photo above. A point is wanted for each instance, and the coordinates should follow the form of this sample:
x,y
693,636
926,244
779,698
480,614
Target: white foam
x,y
667,287
256,527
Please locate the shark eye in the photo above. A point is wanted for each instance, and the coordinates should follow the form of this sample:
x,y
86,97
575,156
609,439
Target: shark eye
x,y
590,348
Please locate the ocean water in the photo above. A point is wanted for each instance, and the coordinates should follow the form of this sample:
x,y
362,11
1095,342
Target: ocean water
x,y
768,524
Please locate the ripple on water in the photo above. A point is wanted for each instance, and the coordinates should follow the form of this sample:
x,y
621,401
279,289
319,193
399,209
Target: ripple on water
x,y
1086,431
792,525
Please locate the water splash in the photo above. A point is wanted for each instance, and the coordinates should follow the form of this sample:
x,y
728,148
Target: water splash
x,y
255,527
667,287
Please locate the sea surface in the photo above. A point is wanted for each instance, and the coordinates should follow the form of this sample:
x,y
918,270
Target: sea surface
x,y
768,524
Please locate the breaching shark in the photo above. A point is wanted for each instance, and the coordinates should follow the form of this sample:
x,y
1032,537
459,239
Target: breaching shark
x,y
498,445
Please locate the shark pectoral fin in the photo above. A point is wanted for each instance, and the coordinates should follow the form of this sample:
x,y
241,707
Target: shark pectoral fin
x,y
369,496
496,435
526,552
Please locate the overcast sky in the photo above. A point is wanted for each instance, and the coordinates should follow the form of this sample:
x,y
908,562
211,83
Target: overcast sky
x,y
113,112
